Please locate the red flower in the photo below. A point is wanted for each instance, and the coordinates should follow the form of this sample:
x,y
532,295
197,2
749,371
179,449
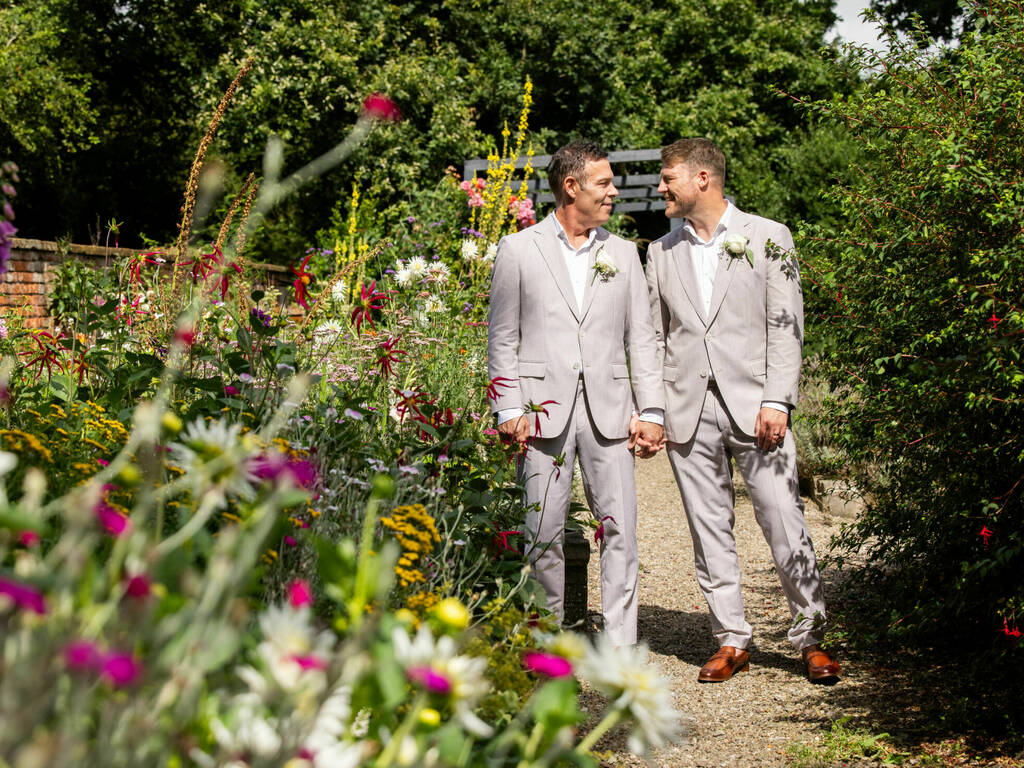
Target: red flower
x,y
46,356
368,298
995,321
138,586
185,335
499,542
985,534
599,533
495,383
1015,632
389,355
380,107
411,400
135,265
532,407
302,278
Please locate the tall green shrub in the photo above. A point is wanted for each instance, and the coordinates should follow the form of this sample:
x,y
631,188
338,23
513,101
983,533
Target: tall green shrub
x,y
921,288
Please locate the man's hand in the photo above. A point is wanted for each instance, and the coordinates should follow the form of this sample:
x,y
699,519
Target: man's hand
x,y
649,438
770,428
515,429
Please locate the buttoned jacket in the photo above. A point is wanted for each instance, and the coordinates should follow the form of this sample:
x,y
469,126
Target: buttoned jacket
x,y
750,341
540,342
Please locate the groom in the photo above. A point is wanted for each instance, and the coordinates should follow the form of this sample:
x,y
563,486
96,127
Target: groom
x,y
569,307
728,312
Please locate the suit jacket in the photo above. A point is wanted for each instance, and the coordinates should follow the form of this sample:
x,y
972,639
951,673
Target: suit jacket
x,y
539,342
751,340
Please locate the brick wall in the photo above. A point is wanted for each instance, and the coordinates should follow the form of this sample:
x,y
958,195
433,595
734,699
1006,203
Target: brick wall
x,y
30,275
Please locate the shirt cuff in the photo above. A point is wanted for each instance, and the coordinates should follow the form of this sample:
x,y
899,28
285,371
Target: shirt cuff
x,y
653,415
508,414
777,406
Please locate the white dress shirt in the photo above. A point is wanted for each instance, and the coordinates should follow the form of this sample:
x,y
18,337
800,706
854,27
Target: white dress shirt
x,y
576,261
704,258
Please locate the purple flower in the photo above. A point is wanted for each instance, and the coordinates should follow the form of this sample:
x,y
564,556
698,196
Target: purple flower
x,y
230,390
23,596
7,231
277,467
82,655
115,523
121,669
8,211
259,317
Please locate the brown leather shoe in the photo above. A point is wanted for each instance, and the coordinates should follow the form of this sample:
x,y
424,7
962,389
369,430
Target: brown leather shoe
x,y
727,661
821,666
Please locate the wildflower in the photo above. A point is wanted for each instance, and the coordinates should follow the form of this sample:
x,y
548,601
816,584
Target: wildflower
x,y
302,278
532,407
499,542
430,717
46,353
339,292
8,461
599,531
120,669
985,534
138,586
498,382
82,655
299,594
369,299
259,318
491,254
248,730
439,272
279,467
7,231
379,107
29,539
547,664
389,355
288,652
429,679
403,276
417,267
113,521
635,687
21,596
452,613
135,265
470,250
214,458
1014,632
230,390
185,335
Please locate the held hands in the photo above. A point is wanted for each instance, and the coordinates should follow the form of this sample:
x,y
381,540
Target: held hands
x,y
647,437
517,430
770,428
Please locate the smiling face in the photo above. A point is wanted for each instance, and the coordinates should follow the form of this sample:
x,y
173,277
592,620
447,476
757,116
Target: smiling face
x,y
594,195
680,187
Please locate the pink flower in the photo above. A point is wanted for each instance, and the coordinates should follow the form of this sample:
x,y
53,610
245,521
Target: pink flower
x,y
82,655
185,335
138,586
230,390
599,533
121,669
277,467
23,596
547,664
28,538
380,107
429,679
299,593
115,523
310,662
291,542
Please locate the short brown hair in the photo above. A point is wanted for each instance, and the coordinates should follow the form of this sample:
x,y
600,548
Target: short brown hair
x,y
571,160
699,154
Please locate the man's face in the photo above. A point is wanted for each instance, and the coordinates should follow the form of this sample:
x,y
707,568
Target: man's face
x,y
596,194
679,188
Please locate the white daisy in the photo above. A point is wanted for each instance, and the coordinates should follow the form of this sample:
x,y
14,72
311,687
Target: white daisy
x,y
636,687
492,253
215,459
417,265
339,292
325,334
248,729
434,304
470,250
403,276
438,272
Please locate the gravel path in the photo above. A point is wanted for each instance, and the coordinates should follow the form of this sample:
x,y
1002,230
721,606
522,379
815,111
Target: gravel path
x,y
749,720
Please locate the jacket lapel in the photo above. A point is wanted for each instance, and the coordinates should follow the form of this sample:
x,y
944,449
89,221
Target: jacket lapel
x,y
590,286
681,260
546,239
723,276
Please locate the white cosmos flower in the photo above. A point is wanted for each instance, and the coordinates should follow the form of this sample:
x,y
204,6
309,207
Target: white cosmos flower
x,y
465,674
470,250
327,333
492,253
636,687
215,459
293,653
417,266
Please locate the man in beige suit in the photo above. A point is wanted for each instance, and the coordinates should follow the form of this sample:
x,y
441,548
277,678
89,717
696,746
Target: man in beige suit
x,y
569,308
728,313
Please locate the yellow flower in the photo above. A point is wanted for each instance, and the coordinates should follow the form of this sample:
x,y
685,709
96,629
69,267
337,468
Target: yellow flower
x,y
452,612
430,717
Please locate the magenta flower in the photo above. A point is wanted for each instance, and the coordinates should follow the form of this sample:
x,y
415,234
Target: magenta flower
x,y
277,467
310,662
547,664
28,538
429,679
138,586
230,390
380,107
290,541
115,523
82,655
300,594
23,596
599,533
369,299
120,669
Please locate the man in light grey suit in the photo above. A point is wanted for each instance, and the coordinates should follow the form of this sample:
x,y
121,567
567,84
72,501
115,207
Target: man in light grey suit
x,y
569,327
728,313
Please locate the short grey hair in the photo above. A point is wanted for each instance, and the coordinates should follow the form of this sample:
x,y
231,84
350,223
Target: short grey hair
x,y
571,160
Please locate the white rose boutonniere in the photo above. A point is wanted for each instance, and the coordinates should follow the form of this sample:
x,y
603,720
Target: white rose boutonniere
x,y
736,247
604,266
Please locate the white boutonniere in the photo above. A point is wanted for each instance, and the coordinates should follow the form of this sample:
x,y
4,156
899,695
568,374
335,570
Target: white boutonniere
x,y
604,266
736,247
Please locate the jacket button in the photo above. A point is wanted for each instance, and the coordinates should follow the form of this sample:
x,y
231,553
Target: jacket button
x,y
703,374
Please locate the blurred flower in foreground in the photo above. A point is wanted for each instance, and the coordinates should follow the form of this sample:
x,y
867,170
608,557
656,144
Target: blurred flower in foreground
x,y
213,456
380,107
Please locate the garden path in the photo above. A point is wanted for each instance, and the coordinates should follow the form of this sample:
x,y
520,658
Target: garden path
x,y
749,720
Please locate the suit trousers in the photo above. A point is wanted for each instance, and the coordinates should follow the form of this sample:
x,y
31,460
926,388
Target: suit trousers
x,y
610,488
704,475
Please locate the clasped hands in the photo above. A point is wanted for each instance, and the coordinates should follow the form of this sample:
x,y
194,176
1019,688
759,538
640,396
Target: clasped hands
x,y
646,437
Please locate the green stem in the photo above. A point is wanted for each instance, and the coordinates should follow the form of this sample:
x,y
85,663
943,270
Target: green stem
x,y
610,721
387,757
